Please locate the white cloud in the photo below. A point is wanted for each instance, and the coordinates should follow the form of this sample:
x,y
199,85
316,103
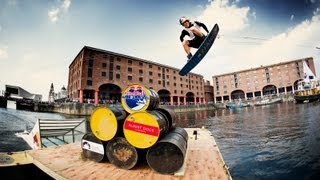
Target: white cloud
x,y
34,74
298,42
254,15
3,53
229,17
66,4
55,13
292,17
316,12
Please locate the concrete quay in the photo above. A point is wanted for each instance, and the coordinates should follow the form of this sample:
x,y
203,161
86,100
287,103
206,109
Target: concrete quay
x,y
83,109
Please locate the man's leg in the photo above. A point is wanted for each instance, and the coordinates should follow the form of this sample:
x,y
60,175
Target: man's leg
x,y
196,31
186,47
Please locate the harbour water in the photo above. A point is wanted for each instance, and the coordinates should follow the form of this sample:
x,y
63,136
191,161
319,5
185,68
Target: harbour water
x,y
15,121
279,141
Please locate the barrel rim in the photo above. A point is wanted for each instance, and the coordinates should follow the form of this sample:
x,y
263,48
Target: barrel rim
x,y
98,156
151,163
132,140
147,94
113,119
116,141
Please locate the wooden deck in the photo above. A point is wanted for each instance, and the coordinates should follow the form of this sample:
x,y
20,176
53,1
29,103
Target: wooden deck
x,y
203,161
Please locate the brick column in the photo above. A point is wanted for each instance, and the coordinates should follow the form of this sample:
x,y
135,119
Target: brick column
x,y
96,97
81,96
185,100
292,89
171,100
178,100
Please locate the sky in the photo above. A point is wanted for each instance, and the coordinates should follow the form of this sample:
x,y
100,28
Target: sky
x,y
40,38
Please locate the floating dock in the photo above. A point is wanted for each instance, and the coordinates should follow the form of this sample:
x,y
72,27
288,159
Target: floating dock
x,y
203,161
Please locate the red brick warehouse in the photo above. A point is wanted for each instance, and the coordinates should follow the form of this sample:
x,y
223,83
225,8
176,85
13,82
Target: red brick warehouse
x,y
101,76
274,79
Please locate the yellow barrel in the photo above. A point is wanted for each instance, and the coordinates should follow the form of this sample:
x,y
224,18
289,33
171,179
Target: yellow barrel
x,y
104,122
143,129
137,97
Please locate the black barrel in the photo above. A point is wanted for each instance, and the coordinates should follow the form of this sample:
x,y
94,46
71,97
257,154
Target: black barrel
x,y
93,148
163,121
170,116
123,155
119,112
168,154
154,99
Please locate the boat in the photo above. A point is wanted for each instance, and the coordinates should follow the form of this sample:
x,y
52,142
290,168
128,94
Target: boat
x,y
268,101
308,88
54,132
237,104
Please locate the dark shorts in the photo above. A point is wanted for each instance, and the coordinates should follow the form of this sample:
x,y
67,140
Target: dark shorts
x,y
196,42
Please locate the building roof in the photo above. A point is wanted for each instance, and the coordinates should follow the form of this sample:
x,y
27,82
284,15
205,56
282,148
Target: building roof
x,y
261,67
126,56
19,92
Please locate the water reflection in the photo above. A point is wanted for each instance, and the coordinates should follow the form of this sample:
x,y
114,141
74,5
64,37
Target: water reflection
x,y
270,142
193,119
280,141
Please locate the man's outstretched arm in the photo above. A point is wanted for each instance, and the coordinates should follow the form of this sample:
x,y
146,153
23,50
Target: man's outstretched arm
x,y
202,25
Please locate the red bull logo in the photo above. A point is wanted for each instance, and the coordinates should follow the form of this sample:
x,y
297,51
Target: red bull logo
x,y
134,98
135,91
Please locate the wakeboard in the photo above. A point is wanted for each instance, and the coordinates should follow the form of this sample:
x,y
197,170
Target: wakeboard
x,y
201,52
